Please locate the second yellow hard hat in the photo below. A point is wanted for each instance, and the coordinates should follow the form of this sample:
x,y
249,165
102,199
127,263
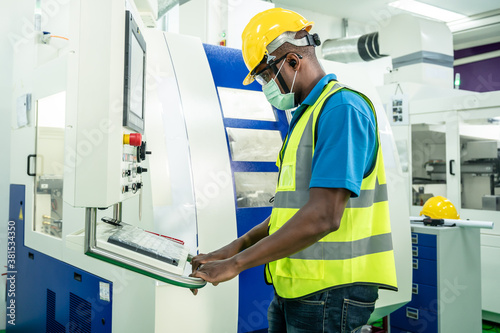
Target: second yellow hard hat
x,y
439,207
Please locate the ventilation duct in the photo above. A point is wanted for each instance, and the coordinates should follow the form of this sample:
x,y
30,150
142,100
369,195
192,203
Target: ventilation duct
x,y
421,50
353,49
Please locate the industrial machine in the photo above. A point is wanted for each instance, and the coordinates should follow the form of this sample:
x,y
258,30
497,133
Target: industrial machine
x,y
134,131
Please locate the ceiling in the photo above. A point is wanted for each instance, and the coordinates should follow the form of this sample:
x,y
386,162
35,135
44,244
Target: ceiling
x,y
481,27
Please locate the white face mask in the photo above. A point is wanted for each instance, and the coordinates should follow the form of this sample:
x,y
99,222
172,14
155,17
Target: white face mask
x,y
275,97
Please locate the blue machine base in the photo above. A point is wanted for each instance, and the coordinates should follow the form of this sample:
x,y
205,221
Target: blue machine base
x,y
48,295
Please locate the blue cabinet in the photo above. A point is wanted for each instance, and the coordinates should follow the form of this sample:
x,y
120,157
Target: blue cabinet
x,y
446,289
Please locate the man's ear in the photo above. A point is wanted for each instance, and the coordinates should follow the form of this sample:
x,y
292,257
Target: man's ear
x,y
294,61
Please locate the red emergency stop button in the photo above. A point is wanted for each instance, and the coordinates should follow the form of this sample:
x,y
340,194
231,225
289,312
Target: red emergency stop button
x,y
133,139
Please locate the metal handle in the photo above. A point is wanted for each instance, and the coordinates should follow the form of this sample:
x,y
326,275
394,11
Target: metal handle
x,y
451,167
451,222
414,237
412,313
29,165
414,288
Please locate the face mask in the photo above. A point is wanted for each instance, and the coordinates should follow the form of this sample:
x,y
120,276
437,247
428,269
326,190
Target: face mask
x,y
275,97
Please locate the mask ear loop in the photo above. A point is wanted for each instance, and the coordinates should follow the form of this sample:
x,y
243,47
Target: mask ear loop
x,y
279,70
293,82
280,79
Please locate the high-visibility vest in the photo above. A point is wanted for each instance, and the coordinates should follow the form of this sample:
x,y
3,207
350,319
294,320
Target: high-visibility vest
x,y
360,251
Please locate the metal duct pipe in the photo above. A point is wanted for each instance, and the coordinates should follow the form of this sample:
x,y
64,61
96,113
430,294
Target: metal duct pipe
x,y
353,49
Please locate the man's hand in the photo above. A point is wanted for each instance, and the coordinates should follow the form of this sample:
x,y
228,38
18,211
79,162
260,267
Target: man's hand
x,y
217,271
229,251
202,259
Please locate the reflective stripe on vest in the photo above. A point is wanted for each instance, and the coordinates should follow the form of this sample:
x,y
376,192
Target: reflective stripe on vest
x,y
360,251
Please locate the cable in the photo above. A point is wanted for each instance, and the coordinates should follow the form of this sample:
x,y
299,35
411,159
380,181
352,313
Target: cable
x,y
46,36
54,36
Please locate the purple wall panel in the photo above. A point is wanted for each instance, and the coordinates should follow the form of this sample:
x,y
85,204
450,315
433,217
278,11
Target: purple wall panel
x,y
480,76
476,50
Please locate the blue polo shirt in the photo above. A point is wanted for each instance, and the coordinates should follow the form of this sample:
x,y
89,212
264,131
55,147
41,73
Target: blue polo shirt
x,y
347,138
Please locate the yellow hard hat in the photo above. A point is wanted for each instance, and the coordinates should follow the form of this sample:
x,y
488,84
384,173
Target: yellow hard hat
x,y
439,207
262,29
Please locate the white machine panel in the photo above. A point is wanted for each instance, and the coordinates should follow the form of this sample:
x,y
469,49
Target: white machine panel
x,y
94,159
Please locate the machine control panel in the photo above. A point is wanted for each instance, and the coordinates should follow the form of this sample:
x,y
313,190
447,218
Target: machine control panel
x,y
134,152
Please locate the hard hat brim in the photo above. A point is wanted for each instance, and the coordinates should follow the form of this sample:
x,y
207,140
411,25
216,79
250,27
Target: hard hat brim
x,y
248,79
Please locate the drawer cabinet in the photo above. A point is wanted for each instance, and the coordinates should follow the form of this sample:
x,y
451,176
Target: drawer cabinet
x,y
446,289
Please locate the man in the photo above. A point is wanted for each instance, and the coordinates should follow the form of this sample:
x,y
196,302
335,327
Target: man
x,y
327,244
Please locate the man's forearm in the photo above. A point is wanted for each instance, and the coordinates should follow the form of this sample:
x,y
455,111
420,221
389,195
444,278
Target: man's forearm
x,y
287,240
307,226
254,235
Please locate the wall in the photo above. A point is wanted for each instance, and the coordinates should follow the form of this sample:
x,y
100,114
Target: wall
x,y
193,19
479,67
239,14
209,20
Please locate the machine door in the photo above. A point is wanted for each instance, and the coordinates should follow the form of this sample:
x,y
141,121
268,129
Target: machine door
x,y
47,165
455,154
435,165
480,163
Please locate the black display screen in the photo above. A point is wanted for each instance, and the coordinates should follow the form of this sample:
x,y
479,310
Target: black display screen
x,y
134,81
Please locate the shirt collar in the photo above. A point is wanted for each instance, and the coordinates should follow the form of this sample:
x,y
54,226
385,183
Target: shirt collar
x,y
312,97
318,89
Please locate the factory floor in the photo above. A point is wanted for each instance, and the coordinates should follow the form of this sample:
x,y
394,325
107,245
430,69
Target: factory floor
x,y
488,327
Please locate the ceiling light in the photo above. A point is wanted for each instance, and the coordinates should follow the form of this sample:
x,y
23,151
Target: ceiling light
x,y
426,10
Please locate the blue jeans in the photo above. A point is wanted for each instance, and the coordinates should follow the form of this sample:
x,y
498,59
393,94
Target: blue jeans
x,y
338,310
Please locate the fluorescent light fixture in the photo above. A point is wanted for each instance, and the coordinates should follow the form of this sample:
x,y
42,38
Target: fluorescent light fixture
x,y
426,10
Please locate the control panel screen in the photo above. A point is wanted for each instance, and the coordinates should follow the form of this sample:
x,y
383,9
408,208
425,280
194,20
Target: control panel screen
x,y
134,79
